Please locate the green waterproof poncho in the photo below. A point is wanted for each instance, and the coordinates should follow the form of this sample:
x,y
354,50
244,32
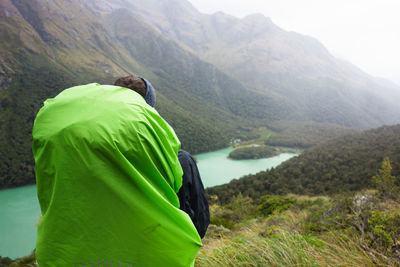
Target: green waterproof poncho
x,y
107,174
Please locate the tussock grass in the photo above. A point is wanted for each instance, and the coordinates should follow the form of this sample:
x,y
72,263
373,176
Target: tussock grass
x,y
284,239
248,248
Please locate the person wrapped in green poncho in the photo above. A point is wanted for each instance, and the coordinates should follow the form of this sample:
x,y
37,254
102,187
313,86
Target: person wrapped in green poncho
x,y
107,175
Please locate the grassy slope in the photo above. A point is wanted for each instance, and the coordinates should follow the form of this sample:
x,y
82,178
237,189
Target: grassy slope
x,y
311,231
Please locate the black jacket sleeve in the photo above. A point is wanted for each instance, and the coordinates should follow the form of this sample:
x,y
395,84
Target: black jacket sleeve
x,y
192,196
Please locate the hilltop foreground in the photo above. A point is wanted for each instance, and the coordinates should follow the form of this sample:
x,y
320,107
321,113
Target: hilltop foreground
x,y
354,230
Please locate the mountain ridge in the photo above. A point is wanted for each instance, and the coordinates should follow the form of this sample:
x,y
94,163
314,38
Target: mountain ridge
x,y
280,62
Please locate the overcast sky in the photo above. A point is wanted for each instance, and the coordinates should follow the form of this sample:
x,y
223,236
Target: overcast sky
x,y
364,32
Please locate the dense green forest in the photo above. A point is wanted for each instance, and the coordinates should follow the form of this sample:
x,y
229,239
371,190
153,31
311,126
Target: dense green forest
x,y
304,134
343,164
252,152
19,103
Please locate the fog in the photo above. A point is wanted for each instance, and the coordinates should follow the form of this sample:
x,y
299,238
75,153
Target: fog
x,y
364,32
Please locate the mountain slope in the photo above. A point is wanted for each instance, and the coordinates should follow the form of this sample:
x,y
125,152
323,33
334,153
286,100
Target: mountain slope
x,y
294,70
336,166
52,45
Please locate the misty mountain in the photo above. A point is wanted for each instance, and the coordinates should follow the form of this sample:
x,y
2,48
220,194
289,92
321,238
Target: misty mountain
x,y
293,69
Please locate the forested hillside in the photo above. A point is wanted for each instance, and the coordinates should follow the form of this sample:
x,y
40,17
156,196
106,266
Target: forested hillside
x,y
344,164
50,46
304,134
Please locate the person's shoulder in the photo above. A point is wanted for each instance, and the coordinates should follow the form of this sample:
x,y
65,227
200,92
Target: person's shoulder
x,y
185,156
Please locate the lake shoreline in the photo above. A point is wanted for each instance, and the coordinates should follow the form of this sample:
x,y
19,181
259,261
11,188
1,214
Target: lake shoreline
x,y
282,149
229,169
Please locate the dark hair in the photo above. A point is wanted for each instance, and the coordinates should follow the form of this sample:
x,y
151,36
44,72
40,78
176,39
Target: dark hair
x,y
132,82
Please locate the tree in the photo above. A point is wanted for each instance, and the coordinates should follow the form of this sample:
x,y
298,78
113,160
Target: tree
x,y
384,181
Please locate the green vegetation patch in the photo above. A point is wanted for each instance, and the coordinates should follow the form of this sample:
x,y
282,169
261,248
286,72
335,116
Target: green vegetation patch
x,y
271,204
253,152
286,234
304,134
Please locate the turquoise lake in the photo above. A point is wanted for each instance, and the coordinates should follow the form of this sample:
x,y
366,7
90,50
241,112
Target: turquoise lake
x,y
19,207
215,167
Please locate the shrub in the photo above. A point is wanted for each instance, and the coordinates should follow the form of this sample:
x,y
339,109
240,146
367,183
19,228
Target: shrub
x,y
276,204
383,230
